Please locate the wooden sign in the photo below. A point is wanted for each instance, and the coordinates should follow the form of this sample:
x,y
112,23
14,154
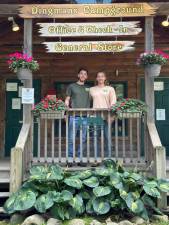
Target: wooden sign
x,y
86,10
89,46
89,29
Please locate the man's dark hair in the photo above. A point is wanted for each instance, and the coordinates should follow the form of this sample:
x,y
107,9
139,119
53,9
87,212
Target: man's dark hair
x,y
82,68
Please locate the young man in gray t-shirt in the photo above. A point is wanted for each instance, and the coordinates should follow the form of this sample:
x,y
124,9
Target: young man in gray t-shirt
x,y
77,97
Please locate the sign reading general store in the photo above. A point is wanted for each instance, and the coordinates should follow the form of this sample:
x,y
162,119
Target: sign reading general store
x,y
89,46
89,29
86,11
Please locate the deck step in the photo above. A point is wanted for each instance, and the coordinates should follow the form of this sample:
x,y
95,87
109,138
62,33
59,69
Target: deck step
x,y
4,194
4,180
2,210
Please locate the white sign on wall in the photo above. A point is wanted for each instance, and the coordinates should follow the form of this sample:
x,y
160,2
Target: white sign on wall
x,y
16,103
89,29
89,46
158,86
11,86
160,114
27,95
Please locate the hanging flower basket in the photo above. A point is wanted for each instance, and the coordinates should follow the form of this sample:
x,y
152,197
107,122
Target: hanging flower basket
x,y
24,74
52,114
22,64
152,62
153,70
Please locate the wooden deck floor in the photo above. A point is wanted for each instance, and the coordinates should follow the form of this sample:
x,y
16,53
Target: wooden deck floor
x,y
5,168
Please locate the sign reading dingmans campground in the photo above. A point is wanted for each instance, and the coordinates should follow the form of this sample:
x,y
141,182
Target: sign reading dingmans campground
x,y
86,11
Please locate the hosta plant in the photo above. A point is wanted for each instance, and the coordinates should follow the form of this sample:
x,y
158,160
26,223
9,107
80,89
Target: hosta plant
x,y
106,189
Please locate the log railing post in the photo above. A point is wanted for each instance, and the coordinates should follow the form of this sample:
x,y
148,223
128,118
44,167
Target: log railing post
x,y
16,169
160,172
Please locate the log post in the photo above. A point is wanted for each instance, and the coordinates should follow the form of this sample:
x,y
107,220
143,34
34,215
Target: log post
x,y
27,49
160,172
16,169
149,80
160,154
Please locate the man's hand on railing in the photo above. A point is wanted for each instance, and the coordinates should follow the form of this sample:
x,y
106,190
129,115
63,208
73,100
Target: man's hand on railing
x,y
67,101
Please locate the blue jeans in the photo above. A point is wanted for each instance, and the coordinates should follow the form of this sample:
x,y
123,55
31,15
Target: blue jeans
x,y
107,147
80,123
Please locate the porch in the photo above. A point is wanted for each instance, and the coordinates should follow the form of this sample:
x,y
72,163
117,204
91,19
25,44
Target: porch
x,y
132,141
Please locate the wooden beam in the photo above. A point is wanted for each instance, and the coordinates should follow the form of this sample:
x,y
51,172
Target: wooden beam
x,y
27,115
149,81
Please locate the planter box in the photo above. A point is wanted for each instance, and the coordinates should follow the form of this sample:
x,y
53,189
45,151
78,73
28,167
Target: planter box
x,y
52,115
129,115
153,70
24,74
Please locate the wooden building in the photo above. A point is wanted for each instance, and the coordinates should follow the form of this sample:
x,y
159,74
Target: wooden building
x,y
58,70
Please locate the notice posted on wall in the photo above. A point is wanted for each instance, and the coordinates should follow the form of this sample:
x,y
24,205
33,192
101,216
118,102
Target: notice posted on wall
x,y
16,103
27,95
160,114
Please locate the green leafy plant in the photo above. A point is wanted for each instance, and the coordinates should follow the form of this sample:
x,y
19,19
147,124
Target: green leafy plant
x,y
154,57
48,104
129,105
105,189
19,60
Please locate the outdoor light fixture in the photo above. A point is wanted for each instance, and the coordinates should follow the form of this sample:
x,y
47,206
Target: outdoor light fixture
x,y
165,23
117,72
15,26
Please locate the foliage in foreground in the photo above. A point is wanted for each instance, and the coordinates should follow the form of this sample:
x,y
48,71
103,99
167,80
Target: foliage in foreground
x,y
66,195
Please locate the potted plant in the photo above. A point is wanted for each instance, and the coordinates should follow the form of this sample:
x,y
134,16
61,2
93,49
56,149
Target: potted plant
x,y
152,62
49,108
22,65
129,108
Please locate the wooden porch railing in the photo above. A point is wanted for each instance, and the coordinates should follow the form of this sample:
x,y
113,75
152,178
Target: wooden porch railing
x,y
125,139
130,139
157,153
20,158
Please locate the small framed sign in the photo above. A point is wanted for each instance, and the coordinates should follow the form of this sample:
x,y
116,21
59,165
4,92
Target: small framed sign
x,y
27,95
11,86
158,86
16,103
160,114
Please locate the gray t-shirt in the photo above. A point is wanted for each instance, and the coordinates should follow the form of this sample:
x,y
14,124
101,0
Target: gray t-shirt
x,y
79,95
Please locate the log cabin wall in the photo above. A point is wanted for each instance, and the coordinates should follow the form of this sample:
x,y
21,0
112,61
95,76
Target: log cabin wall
x,y
63,67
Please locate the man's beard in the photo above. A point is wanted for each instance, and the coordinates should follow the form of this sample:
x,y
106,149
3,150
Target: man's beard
x,y
82,80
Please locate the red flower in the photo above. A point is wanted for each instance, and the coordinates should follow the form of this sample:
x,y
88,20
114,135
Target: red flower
x,y
123,103
9,62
